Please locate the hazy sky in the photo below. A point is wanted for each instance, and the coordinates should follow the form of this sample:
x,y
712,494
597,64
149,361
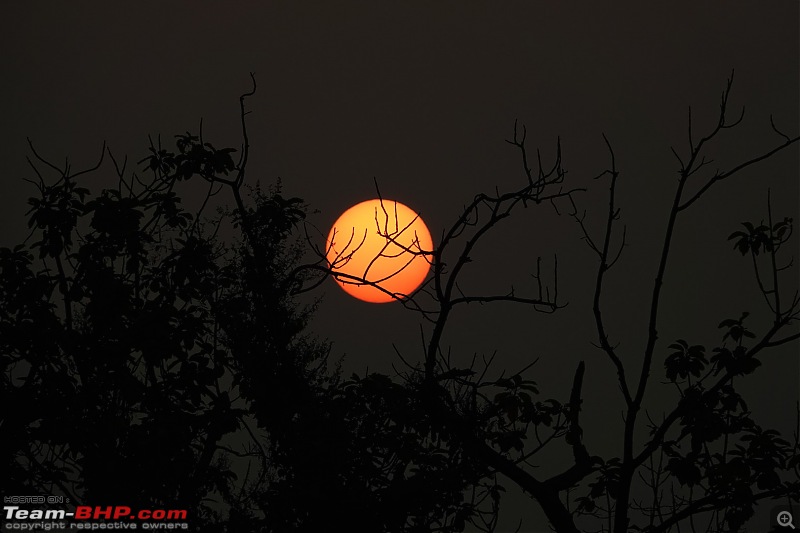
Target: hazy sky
x,y
421,96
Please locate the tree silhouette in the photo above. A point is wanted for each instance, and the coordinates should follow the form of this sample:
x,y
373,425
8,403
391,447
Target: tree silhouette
x,y
156,365
119,340
705,457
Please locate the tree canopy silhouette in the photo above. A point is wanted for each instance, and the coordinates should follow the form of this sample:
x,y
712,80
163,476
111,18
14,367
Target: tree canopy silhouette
x,y
149,362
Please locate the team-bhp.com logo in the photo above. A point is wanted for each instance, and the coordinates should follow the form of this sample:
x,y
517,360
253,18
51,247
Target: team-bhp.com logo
x,y
86,512
111,517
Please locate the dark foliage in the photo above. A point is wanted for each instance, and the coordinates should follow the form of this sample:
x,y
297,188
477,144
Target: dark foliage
x,y
147,362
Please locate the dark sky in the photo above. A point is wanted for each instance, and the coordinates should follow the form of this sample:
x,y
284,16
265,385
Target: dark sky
x,y
421,96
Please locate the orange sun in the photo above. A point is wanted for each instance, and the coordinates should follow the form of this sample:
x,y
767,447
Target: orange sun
x,y
381,242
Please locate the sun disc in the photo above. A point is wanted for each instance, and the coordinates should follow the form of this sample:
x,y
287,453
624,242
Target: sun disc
x,y
377,249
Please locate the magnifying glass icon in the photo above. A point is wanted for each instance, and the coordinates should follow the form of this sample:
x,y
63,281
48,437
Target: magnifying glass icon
x,y
785,519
